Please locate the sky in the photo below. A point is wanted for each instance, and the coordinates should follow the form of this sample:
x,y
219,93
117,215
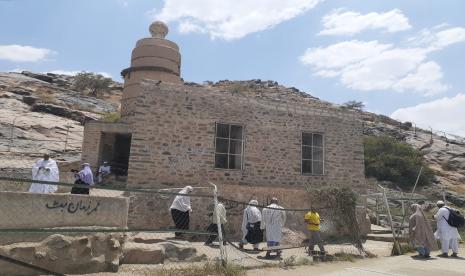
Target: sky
x,y
403,59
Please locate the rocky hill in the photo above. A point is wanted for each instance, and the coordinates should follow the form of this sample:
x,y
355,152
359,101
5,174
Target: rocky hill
x,y
43,112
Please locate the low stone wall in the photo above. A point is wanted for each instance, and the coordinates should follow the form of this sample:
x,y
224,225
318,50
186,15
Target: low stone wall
x,y
32,211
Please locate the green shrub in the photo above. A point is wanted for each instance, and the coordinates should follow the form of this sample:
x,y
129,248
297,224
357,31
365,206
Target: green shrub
x,y
94,83
387,159
111,117
355,105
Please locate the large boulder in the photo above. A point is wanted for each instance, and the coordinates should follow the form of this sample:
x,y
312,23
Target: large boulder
x,y
66,254
42,77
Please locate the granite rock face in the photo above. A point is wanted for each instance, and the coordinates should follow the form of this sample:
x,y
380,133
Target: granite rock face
x,y
41,113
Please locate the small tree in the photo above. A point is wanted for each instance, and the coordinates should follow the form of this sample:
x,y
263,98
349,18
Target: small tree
x,y
95,83
391,160
356,105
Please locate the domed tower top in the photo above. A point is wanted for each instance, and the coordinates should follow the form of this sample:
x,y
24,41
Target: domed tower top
x,y
154,58
158,29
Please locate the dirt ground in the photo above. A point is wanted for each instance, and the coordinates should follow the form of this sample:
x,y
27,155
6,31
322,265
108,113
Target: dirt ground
x,y
250,260
400,265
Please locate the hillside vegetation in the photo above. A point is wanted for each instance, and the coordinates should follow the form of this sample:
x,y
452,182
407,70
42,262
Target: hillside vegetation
x,y
387,159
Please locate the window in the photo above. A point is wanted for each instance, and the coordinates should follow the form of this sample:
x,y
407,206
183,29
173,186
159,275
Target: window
x,y
229,146
312,153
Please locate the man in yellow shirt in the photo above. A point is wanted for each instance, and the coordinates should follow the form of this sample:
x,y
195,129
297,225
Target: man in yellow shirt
x,y
312,219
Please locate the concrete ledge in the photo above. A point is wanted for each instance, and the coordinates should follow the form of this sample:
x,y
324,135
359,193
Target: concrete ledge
x,y
32,211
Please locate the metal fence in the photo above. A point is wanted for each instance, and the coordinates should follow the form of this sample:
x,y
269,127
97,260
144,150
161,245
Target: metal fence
x,y
60,233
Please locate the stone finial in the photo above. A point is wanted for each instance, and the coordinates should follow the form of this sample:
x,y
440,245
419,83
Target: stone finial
x,y
158,29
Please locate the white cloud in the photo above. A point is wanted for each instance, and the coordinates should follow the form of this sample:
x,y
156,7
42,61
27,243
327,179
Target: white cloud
x,y
230,19
336,56
73,73
371,65
64,72
439,37
19,53
339,22
426,78
443,114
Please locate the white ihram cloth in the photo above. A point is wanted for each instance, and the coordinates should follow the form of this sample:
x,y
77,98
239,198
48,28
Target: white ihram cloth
x,y
222,214
273,221
447,234
182,203
104,170
44,170
251,215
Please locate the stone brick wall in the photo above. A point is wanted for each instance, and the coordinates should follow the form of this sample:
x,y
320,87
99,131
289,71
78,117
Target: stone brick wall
x,y
151,211
174,132
173,146
91,145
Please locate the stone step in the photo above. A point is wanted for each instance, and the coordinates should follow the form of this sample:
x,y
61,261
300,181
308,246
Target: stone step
x,y
142,253
146,252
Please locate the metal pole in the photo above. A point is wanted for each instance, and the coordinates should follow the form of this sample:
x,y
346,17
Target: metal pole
x,y
416,182
223,256
403,205
396,245
377,211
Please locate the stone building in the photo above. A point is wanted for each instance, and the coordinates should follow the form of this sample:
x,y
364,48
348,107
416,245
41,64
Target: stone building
x,y
253,139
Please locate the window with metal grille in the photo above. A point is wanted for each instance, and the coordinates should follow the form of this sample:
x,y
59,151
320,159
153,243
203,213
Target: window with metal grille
x,y
312,153
229,146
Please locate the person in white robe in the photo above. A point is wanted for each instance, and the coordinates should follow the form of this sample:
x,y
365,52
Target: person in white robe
x,y
446,234
180,209
45,169
103,171
273,220
219,212
251,221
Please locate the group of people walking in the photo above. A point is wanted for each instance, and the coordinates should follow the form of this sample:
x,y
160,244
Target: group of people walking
x,y
424,240
256,225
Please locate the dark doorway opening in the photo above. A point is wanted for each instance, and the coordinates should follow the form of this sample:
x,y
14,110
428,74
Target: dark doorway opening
x,y
115,149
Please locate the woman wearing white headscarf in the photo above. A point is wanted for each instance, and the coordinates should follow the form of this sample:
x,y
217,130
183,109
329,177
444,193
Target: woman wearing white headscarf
x,y
83,177
180,209
251,220
420,232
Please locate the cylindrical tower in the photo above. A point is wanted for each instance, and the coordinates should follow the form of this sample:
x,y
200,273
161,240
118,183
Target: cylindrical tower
x,y
154,58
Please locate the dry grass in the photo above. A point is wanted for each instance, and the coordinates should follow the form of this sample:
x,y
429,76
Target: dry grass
x,y
210,268
48,98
